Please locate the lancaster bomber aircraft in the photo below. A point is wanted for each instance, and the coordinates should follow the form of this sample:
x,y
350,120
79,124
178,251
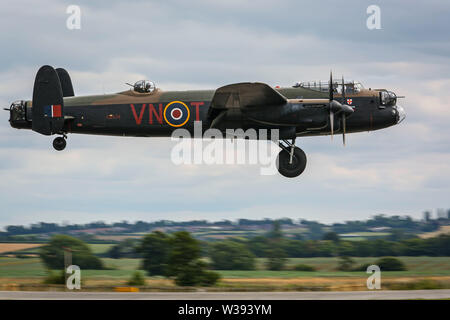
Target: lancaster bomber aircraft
x,y
306,109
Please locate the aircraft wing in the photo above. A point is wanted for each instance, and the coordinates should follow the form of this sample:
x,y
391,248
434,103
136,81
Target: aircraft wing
x,y
232,105
246,95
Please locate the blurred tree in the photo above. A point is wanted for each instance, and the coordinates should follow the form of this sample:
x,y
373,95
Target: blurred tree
x,y
155,249
304,267
276,258
382,247
398,235
293,248
195,273
127,248
113,252
258,245
332,236
346,248
390,264
315,230
230,255
53,253
275,233
137,279
327,248
58,277
184,249
363,249
184,262
345,263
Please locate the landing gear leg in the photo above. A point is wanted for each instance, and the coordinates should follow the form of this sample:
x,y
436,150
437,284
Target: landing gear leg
x,y
59,143
291,160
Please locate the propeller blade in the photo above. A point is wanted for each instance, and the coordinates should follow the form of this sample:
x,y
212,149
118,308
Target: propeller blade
x,y
330,87
332,123
343,129
6,109
344,101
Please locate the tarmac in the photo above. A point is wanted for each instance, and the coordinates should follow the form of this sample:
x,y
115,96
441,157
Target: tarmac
x,y
322,295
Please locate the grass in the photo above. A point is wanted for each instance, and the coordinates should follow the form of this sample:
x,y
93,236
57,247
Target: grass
x,y
100,248
326,267
321,274
24,268
285,274
122,264
414,264
423,273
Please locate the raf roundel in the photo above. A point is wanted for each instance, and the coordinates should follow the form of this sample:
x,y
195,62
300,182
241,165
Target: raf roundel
x,y
176,113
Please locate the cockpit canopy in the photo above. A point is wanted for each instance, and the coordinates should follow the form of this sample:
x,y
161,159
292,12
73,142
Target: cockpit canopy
x,y
144,86
388,98
323,86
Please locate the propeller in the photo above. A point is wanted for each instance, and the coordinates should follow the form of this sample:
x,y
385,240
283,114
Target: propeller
x,y
346,111
338,108
343,116
330,91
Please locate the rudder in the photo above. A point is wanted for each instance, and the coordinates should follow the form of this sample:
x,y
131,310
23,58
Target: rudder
x,y
66,82
48,104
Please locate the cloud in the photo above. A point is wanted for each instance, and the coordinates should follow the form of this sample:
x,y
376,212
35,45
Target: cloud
x,y
203,45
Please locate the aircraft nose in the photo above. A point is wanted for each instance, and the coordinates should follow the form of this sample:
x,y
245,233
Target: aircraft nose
x,y
401,114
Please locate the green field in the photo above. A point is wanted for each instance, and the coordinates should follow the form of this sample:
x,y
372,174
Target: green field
x,y
11,267
416,264
100,248
326,267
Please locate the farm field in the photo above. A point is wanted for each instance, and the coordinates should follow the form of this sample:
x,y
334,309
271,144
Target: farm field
x,y
14,247
326,267
441,230
31,271
100,248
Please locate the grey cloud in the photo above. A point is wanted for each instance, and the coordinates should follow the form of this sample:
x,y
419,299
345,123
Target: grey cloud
x,y
204,44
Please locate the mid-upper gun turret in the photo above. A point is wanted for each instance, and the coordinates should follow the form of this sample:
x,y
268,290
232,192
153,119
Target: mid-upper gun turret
x,y
143,86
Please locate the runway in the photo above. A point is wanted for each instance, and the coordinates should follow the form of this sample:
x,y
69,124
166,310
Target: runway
x,y
323,295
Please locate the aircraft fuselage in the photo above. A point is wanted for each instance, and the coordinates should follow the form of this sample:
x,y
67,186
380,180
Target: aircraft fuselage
x,y
158,114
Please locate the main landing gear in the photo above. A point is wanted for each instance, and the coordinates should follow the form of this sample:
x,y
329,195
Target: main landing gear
x,y
59,143
291,160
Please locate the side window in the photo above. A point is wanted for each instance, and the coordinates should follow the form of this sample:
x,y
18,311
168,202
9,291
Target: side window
x,y
384,98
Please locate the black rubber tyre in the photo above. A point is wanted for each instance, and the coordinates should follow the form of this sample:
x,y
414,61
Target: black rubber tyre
x,y
59,143
294,169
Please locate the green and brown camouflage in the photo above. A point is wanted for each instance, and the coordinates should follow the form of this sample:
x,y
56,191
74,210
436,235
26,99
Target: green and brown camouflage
x,y
132,113
306,109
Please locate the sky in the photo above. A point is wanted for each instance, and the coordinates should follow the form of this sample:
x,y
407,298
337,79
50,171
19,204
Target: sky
x,y
182,45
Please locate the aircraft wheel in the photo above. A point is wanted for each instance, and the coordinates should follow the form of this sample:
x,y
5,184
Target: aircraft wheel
x,y
59,143
294,169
